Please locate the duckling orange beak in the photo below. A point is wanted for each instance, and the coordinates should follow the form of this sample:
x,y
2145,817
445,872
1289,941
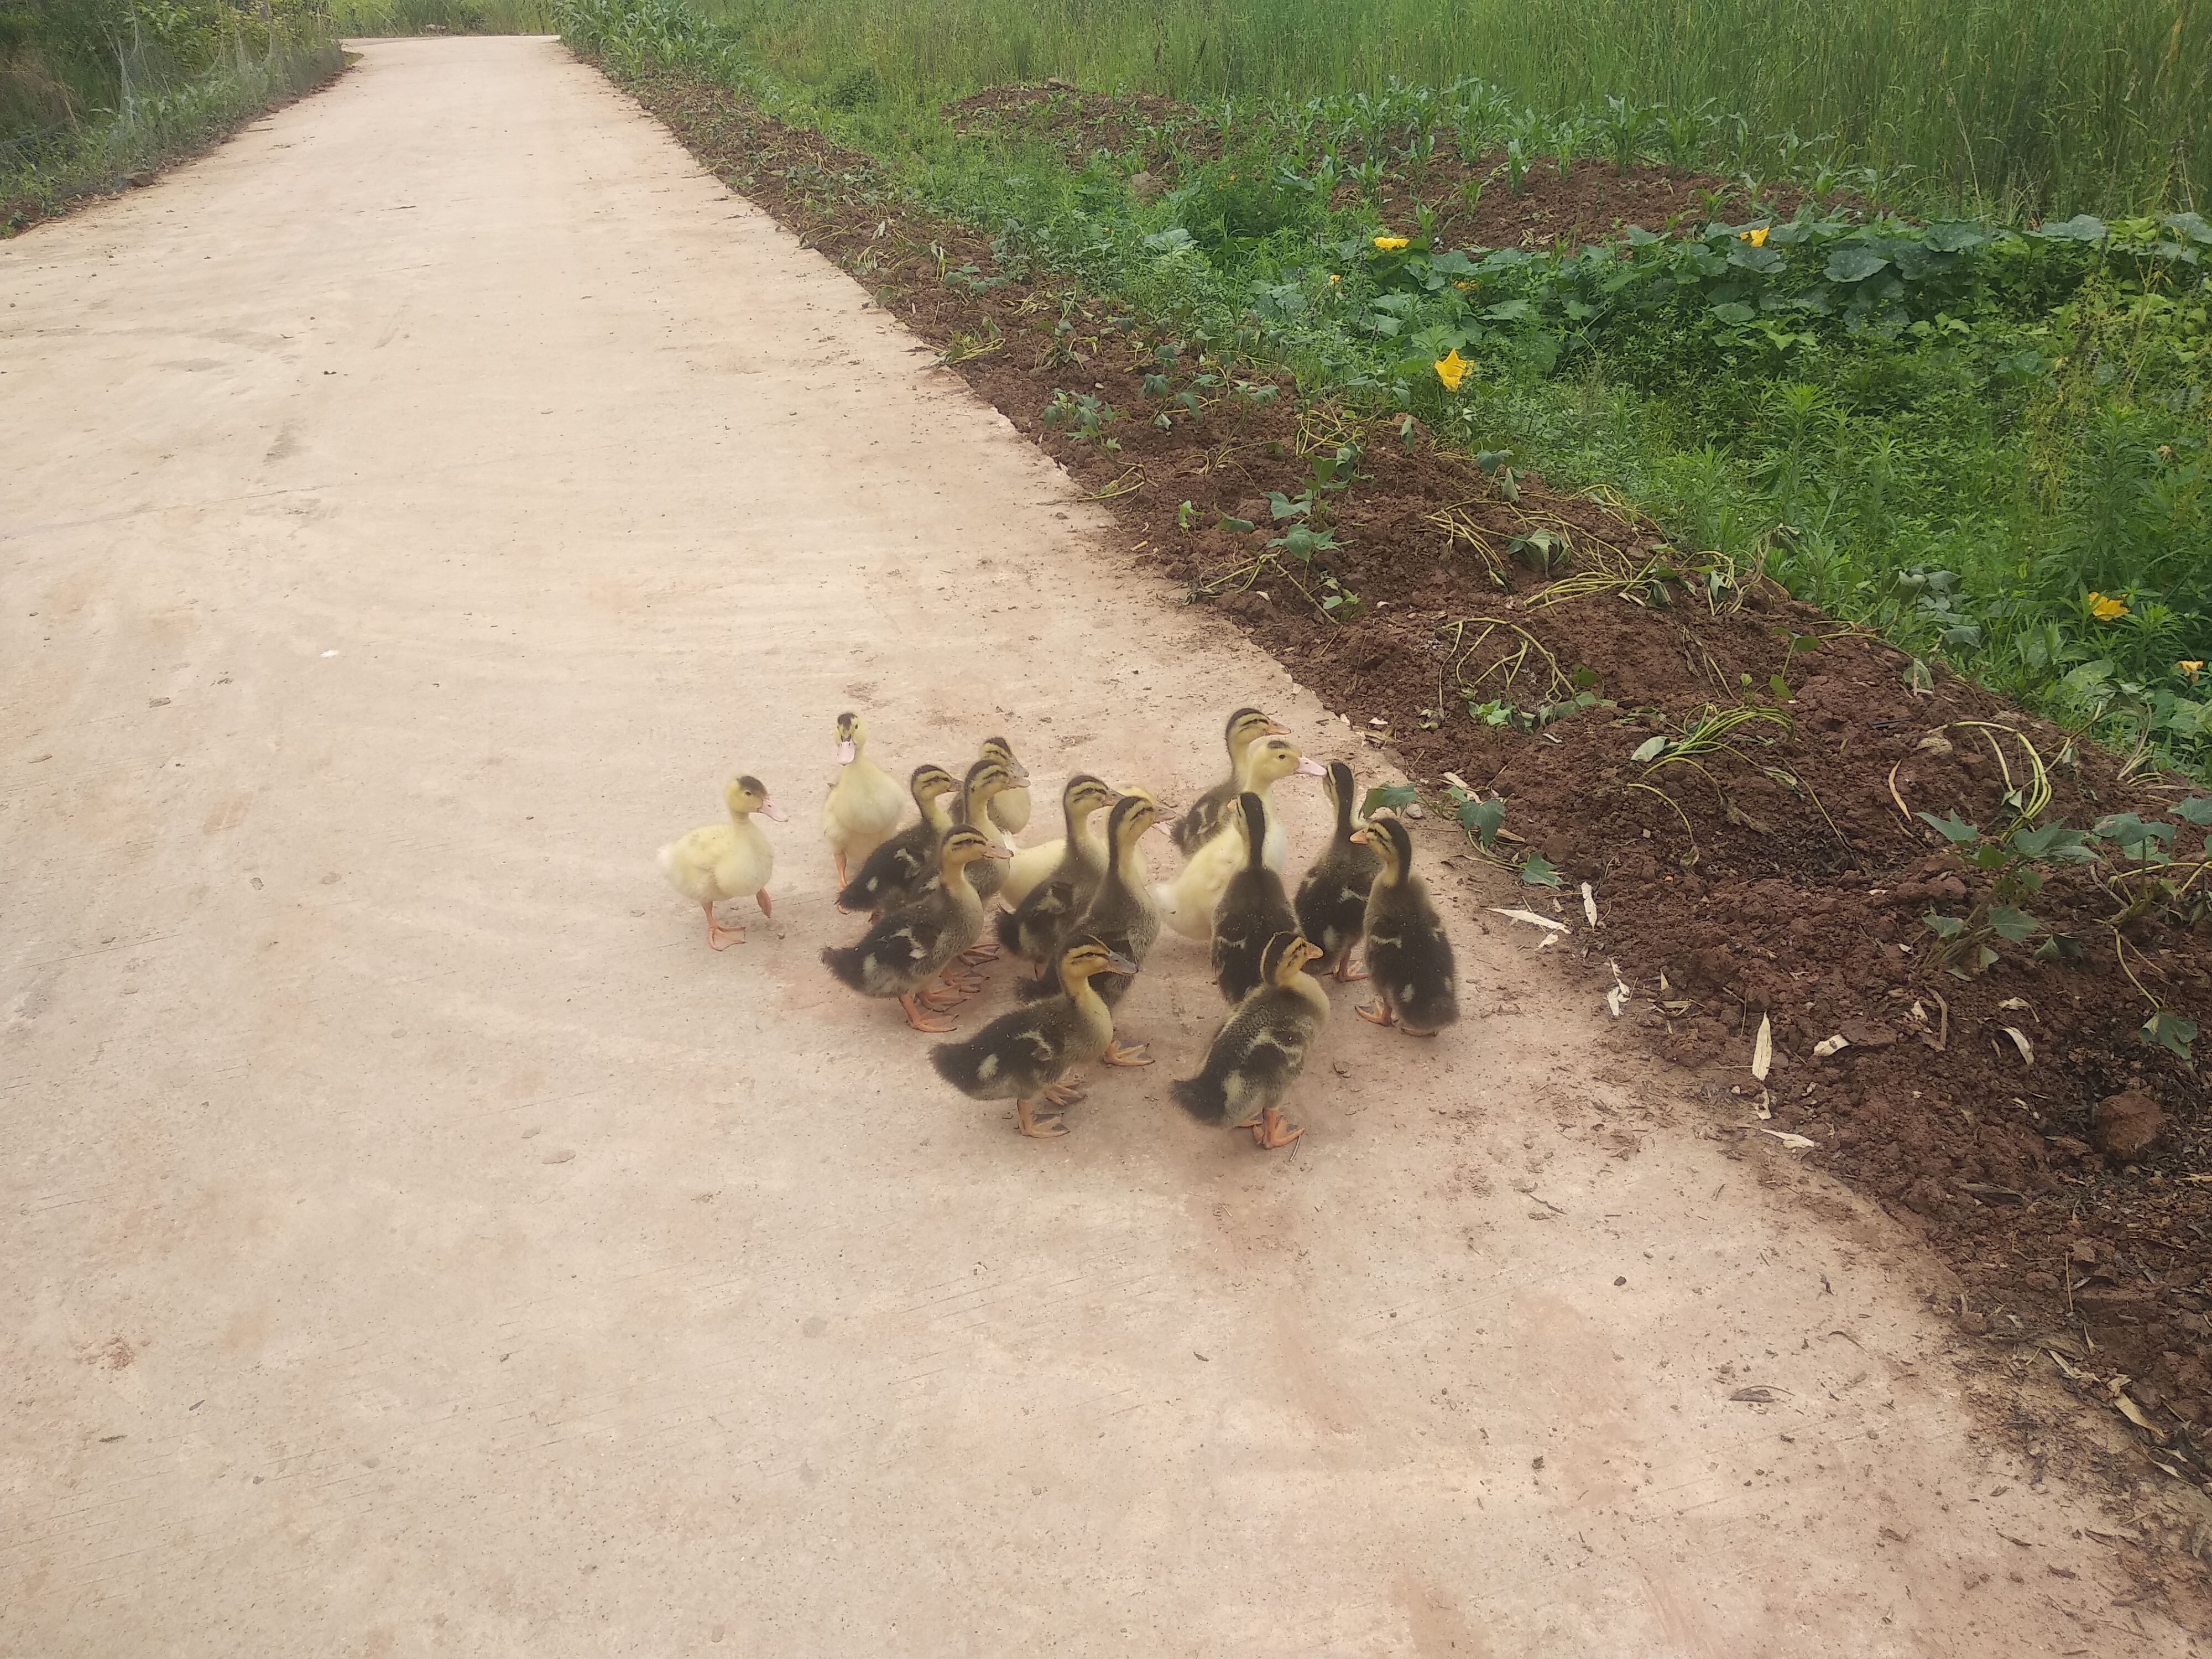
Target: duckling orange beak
x,y
769,809
848,751
1162,822
997,852
1360,835
1118,963
1276,729
1310,767
1018,772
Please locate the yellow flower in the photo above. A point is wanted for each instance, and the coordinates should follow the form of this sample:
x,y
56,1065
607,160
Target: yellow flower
x,y
2105,609
1451,369
1390,244
1334,279
1756,238
2191,669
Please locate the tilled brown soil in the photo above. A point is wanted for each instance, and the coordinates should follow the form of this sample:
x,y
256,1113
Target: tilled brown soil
x,y
1782,876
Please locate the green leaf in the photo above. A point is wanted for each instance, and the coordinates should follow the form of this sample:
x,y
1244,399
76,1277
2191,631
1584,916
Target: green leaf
x,y
1391,795
1648,750
2006,923
2054,841
1537,871
2197,811
1944,926
2170,1030
2059,947
1241,527
1953,827
1482,819
2081,227
1853,264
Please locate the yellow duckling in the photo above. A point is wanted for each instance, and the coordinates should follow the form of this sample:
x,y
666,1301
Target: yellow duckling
x,y
1042,862
1010,807
727,860
1261,1047
1187,902
1212,811
900,954
864,804
1122,916
1028,1054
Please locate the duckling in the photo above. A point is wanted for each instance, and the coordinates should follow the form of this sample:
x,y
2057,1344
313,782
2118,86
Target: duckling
x,y
900,953
1211,812
899,868
1010,807
987,779
1035,865
1253,909
1409,957
1261,1047
1332,898
1028,1054
1187,902
727,860
1122,914
1040,922
864,804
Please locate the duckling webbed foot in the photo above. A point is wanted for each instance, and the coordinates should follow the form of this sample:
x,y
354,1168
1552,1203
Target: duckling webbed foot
x,y
958,980
1047,1128
1065,1092
843,881
720,938
975,954
761,899
940,999
1377,1012
1272,1129
921,1022
1344,973
1133,1054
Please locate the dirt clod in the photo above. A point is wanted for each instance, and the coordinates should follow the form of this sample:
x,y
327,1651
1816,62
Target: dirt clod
x,y
2126,1126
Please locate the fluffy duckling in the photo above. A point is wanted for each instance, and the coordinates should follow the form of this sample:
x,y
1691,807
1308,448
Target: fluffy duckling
x,y
864,804
1261,1047
1122,914
901,953
898,869
1408,957
1254,908
1028,1054
727,860
1187,902
1041,921
1010,807
1212,811
1332,900
1034,865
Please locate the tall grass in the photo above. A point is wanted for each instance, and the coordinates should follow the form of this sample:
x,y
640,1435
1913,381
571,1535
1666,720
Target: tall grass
x,y
2020,106
364,19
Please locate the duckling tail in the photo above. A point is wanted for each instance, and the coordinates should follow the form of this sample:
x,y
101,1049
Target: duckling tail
x,y
1010,934
1203,1098
957,1063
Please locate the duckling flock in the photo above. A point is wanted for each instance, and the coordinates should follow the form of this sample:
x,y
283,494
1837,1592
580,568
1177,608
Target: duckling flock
x,y
1083,911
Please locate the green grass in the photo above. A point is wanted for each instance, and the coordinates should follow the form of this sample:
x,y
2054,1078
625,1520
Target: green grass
x,y
2022,105
368,18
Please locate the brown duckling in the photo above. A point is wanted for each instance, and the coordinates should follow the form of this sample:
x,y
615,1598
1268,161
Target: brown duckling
x,y
900,954
1205,816
1122,914
1331,901
1028,1054
1261,1047
1253,909
1036,928
1408,957
902,865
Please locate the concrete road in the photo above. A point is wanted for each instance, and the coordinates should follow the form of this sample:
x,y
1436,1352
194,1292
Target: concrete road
x,y
416,1240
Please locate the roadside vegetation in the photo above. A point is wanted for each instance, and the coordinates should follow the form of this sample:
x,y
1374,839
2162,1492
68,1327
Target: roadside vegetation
x,y
1852,356
94,94
372,19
